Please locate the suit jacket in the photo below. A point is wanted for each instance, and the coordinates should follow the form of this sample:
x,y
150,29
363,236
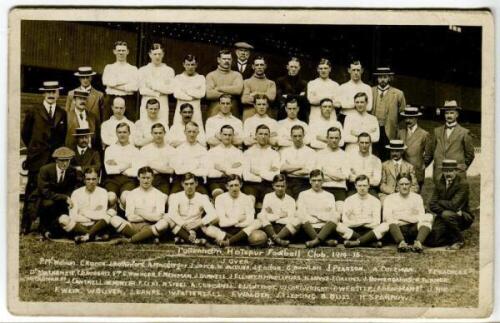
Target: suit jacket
x,y
248,72
394,103
42,135
455,198
418,151
90,158
95,103
458,146
388,182
48,187
291,85
73,124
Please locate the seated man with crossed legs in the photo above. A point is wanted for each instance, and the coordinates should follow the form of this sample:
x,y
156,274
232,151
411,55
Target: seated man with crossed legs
x,y
278,213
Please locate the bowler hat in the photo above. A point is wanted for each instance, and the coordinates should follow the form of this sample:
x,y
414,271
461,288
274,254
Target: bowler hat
x,y
50,86
410,111
449,164
84,71
383,71
451,105
82,132
63,153
242,44
396,144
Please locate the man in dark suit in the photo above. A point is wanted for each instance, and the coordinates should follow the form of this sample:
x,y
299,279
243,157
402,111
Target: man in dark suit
x,y
242,63
289,86
43,130
388,102
450,204
85,156
451,141
95,100
56,182
418,142
80,117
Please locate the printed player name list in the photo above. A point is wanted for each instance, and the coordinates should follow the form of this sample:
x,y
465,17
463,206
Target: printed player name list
x,y
325,276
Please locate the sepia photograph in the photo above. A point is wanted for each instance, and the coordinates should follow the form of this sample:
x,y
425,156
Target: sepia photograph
x,y
250,162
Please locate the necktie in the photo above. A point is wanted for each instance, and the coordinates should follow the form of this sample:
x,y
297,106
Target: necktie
x,y
61,177
398,168
81,116
450,127
51,112
448,184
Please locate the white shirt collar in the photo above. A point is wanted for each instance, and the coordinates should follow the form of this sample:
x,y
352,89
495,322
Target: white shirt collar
x,y
48,106
412,129
81,151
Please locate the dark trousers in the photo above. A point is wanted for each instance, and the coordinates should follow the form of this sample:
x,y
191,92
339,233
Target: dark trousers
x,y
50,211
29,208
177,185
447,228
131,106
295,185
258,190
379,147
162,183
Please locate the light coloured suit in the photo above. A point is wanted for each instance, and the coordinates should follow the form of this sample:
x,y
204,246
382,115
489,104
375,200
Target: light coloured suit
x,y
95,103
418,151
391,104
458,147
388,182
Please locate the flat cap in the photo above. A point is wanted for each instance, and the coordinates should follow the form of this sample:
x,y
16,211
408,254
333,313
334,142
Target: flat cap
x,y
63,153
242,44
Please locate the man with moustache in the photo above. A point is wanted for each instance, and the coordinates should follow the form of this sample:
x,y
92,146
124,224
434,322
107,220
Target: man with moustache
x,y
177,133
223,81
418,143
190,87
156,81
43,130
121,80
258,84
321,88
292,85
350,88
388,102
80,117
95,100
450,205
85,156
451,141
242,51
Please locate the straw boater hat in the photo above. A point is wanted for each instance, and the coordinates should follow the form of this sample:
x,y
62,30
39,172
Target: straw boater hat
x,y
243,45
84,71
451,105
396,144
410,111
63,153
50,86
383,71
80,93
82,132
449,164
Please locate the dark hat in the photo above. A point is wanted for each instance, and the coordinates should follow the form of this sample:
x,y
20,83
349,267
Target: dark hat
x,y
80,93
63,153
383,71
82,132
50,86
410,111
449,164
451,105
84,71
396,144
242,44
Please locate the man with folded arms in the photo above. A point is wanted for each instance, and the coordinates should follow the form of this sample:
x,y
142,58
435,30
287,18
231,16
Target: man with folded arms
x,y
323,87
143,125
145,207
297,161
108,127
360,121
235,214
318,127
405,214
223,160
261,117
278,213
177,133
360,223
317,212
120,162
363,162
215,123
260,165
89,213
334,163
348,89
159,156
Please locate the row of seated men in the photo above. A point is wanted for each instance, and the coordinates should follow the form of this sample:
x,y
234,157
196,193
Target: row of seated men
x,y
360,219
